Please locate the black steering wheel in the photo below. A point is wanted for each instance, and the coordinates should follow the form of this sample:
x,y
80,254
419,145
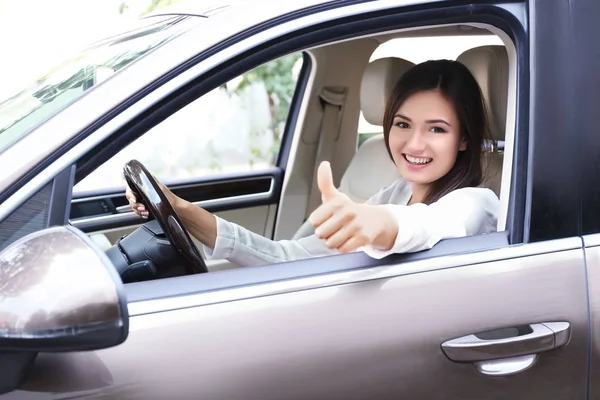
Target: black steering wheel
x,y
148,192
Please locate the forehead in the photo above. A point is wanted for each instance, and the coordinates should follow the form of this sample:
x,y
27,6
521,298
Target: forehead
x,y
430,104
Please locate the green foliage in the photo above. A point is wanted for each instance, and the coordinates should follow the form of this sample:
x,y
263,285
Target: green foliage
x,y
156,4
279,82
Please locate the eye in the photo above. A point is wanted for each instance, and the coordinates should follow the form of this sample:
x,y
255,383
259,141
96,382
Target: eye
x,y
402,125
437,129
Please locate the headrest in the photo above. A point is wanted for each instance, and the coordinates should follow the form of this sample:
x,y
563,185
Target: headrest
x,y
370,170
379,79
489,66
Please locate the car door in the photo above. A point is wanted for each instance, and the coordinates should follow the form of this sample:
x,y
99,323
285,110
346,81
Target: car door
x,y
585,107
502,315
484,324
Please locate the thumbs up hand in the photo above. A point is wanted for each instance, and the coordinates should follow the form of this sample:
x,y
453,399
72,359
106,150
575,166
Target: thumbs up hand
x,y
346,225
325,183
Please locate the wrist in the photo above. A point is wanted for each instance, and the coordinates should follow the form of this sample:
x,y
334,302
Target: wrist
x,y
389,231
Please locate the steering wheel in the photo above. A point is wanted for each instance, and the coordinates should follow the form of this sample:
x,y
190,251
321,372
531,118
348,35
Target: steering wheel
x,y
147,191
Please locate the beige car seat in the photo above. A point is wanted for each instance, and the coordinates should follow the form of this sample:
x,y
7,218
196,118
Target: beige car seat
x,y
489,66
371,167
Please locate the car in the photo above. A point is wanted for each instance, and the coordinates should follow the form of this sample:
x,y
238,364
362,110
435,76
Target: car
x,y
233,106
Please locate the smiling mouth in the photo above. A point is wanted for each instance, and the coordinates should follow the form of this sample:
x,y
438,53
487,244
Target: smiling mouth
x,y
417,160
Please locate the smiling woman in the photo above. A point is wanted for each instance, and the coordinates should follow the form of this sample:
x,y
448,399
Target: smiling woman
x,y
434,127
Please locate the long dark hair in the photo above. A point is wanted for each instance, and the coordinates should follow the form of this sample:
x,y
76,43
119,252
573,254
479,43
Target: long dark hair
x,y
457,84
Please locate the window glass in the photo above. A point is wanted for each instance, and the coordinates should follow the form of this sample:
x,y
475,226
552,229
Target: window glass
x,y
236,127
47,95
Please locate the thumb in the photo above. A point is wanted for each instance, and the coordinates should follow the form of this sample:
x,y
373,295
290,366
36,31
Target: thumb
x,y
325,181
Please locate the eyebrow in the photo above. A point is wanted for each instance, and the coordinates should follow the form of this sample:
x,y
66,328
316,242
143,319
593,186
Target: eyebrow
x,y
429,121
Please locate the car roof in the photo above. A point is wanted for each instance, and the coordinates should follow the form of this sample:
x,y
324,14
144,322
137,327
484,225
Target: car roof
x,y
198,8
204,8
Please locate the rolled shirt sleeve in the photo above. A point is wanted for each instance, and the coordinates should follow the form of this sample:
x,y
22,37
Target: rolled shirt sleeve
x,y
243,247
464,212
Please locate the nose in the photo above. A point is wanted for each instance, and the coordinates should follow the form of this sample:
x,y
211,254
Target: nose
x,y
416,144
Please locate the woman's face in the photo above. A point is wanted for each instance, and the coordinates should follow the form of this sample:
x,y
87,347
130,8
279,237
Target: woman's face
x,y
425,137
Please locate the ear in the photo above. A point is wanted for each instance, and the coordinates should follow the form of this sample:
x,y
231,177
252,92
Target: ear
x,y
463,145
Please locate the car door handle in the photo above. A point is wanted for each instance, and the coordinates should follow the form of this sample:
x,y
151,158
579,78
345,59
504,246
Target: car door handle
x,y
515,349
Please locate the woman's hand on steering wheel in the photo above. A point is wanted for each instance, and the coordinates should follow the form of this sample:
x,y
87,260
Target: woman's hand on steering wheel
x,y
139,208
161,202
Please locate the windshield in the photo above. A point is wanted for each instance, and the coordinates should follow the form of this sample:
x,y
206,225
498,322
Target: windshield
x,y
66,82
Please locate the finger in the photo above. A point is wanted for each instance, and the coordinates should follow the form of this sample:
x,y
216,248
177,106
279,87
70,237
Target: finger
x,y
134,205
333,224
341,236
352,244
325,182
141,212
137,208
130,196
325,211
321,214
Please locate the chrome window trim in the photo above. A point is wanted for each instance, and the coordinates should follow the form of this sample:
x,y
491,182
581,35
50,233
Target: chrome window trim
x,y
349,277
33,148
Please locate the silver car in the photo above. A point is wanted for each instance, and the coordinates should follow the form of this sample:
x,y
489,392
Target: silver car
x,y
232,106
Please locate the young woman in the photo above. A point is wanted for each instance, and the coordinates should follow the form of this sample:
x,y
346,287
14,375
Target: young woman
x,y
434,126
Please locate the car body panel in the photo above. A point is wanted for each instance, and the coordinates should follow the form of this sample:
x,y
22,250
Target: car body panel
x,y
592,258
364,332
377,337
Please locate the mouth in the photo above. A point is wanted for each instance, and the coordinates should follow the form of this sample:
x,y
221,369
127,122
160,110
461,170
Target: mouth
x,y
419,161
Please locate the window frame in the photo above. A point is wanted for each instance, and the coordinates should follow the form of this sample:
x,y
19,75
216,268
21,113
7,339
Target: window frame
x,y
412,16
222,280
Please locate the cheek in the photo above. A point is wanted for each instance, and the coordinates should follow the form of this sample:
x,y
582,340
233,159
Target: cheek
x,y
447,150
395,141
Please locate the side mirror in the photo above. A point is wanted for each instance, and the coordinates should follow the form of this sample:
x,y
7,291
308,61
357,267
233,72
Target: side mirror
x,y
58,292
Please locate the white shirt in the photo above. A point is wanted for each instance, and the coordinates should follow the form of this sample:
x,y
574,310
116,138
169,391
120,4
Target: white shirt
x,y
463,212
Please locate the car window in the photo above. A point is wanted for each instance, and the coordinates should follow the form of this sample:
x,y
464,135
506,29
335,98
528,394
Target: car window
x,y
48,94
236,127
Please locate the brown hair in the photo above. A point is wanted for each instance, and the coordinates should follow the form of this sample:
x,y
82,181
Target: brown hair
x,y
457,84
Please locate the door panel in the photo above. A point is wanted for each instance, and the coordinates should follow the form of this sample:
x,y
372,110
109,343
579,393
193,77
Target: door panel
x,y
592,256
374,333
260,219
248,199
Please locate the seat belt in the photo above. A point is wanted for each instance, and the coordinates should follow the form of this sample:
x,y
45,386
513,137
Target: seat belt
x,y
332,100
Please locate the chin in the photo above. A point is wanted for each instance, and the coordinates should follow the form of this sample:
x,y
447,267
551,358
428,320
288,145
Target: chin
x,y
418,180
416,177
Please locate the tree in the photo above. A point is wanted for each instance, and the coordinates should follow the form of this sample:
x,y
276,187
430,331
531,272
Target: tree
x,y
280,83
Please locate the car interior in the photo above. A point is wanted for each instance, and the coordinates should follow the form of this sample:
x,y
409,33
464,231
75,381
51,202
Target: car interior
x,y
343,85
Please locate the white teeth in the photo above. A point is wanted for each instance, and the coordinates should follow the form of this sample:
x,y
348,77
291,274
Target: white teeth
x,y
418,160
